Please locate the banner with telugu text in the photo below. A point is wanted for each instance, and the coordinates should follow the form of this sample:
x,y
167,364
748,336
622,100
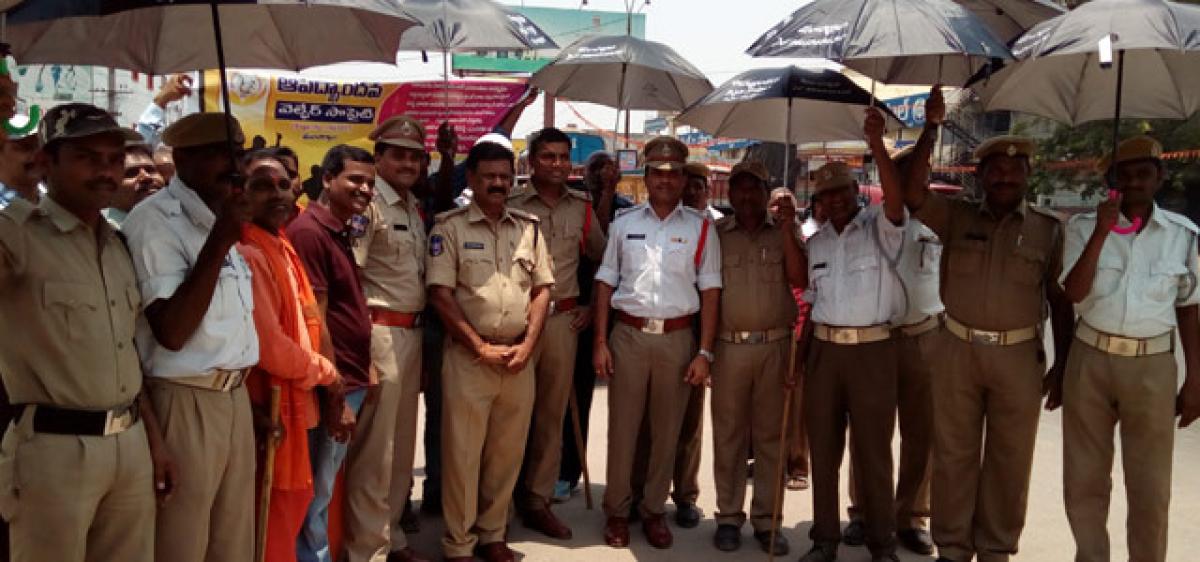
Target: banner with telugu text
x,y
310,116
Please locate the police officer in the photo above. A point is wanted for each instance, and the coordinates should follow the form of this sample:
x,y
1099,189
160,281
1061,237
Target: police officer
x,y
851,356
659,269
391,256
489,274
1000,267
76,477
570,229
761,260
1132,293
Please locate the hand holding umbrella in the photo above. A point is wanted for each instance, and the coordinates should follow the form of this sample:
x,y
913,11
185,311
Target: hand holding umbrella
x,y
1108,216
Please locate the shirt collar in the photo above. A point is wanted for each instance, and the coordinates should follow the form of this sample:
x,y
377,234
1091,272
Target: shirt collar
x,y
475,214
191,204
677,211
66,221
387,192
1020,211
731,223
325,218
1158,216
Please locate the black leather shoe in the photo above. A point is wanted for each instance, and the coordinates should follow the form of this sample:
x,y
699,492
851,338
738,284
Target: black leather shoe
x,y
916,540
727,538
943,559
855,534
821,553
687,515
778,548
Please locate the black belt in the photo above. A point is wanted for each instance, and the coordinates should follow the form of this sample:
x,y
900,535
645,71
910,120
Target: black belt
x,y
61,421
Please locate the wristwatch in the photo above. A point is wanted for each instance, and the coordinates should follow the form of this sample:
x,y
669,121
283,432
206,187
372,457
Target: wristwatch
x,y
706,354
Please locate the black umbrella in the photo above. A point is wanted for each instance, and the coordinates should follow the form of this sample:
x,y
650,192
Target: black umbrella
x,y
1064,68
815,106
1008,19
894,41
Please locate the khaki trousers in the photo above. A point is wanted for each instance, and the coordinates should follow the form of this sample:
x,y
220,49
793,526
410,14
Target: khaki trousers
x,y
648,383
81,498
685,477
981,486
487,411
852,385
747,404
210,435
381,454
914,404
555,373
1100,390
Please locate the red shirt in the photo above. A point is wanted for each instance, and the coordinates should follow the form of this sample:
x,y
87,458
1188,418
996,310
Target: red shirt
x,y
323,245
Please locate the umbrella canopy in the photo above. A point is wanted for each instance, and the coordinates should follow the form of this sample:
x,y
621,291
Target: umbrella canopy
x,y
823,105
894,41
161,38
455,25
1008,19
1059,75
623,72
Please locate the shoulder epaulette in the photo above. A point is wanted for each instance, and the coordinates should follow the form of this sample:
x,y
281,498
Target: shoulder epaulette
x,y
725,221
522,194
1046,213
695,213
19,210
443,216
1180,220
524,215
580,194
627,210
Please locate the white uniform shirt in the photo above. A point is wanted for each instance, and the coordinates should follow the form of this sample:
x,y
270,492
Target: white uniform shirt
x,y
918,267
165,233
651,262
1139,279
850,279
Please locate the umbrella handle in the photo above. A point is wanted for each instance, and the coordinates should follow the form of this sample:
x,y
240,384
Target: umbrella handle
x,y
1125,230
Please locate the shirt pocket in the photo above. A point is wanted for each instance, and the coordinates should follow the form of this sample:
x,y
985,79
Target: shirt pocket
x,y
73,306
732,270
967,257
1166,279
1025,266
771,268
1109,273
931,256
677,258
477,271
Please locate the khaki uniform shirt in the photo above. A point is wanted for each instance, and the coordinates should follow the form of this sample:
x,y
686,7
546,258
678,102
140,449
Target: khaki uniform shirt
x,y
491,267
564,232
69,306
756,295
995,270
392,252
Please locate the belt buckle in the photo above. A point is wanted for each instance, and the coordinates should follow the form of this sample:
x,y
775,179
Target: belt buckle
x,y
845,337
653,326
1122,346
987,338
116,423
232,378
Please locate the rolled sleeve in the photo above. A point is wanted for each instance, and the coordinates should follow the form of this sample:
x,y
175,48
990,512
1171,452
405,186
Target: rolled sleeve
x,y
891,236
441,266
609,271
1189,293
543,270
709,274
158,255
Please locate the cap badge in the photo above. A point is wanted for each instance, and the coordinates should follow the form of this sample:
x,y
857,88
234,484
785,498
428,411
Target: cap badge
x,y
665,151
60,128
407,129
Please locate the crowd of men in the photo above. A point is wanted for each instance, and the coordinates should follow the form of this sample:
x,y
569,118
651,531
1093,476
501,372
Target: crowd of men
x,y
182,344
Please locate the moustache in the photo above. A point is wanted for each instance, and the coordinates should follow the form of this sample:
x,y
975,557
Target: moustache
x,y
496,191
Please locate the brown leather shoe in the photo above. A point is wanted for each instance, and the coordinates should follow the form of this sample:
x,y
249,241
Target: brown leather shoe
x,y
616,532
657,533
545,521
495,552
406,555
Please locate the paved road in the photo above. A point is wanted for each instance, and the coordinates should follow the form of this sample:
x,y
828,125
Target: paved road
x,y
1047,537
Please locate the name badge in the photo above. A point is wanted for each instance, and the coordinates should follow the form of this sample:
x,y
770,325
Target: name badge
x,y
821,265
473,245
678,240
635,236
402,227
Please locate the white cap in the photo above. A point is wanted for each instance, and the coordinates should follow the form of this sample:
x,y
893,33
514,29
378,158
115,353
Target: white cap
x,y
496,138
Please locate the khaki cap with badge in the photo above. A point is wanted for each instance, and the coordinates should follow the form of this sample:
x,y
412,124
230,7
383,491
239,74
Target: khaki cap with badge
x,y
201,129
1130,150
665,153
402,131
752,168
1007,145
833,176
79,120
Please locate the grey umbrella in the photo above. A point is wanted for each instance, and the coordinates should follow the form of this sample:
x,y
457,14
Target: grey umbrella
x,y
790,105
623,72
1008,19
894,41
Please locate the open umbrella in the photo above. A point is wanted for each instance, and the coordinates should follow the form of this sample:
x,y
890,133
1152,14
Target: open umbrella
x,y
1064,69
624,72
1008,19
790,105
449,26
893,41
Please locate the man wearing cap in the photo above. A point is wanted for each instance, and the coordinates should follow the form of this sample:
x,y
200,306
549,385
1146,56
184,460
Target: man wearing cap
x,y
76,476
140,181
659,270
489,275
570,230
1132,292
761,261
696,190
850,352
917,327
1000,267
391,257
198,340
20,172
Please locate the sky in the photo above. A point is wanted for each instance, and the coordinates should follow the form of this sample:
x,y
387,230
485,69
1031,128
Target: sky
x,y
712,34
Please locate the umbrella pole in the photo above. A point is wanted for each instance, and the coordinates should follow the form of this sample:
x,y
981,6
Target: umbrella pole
x,y
445,84
787,148
1117,110
620,104
221,68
